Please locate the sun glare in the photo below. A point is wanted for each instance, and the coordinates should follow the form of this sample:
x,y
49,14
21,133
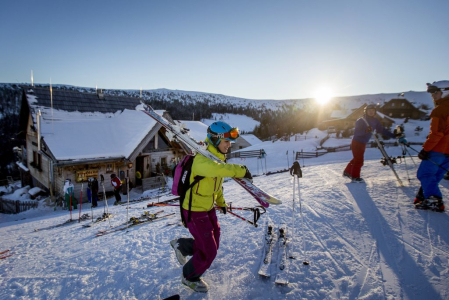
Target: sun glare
x,y
323,95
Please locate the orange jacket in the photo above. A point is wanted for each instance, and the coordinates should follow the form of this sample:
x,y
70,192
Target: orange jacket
x,y
438,138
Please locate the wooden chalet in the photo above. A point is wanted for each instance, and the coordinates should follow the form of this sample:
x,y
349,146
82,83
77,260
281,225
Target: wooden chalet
x,y
138,143
402,108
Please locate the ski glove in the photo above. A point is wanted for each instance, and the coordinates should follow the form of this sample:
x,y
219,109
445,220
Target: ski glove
x,y
248,174
403,140
223,210
423,155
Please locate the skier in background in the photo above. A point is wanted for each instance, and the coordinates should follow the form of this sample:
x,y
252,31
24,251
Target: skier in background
x,y
296,170
116,184
435,151
92,191
201,219
363,131
69,194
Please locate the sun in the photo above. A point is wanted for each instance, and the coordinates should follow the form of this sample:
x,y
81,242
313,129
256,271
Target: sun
x,y
323,95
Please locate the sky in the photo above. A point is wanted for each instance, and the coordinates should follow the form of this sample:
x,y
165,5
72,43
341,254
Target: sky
x,y
249,49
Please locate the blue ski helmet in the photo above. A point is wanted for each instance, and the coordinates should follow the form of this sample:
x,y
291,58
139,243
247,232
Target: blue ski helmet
x,y
221,130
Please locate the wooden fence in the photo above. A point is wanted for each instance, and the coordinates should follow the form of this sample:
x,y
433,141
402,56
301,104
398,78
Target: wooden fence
x,y
248,154
16,206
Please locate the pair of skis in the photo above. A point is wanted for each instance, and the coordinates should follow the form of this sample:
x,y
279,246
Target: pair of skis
x,y
103,218
70,221
280,242
5,254
133,222
182,135
387,158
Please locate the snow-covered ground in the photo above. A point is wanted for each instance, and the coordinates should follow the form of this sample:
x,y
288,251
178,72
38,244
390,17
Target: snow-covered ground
x,y
363,241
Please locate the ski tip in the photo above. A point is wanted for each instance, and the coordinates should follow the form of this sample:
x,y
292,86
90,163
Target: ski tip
x,y
274,201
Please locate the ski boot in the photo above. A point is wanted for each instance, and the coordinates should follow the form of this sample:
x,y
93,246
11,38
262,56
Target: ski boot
x,y
419,198
181,258
198,286
346,174
435,203
358,180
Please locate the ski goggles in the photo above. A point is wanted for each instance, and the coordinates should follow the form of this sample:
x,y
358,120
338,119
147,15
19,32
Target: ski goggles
x,y
232,134
434,89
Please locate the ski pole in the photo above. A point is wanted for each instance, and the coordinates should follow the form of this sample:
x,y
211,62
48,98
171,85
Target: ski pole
x,y
91,203
70,206
408,152
81,203
305,262
127,208
293,213
436,164
242,218
106,203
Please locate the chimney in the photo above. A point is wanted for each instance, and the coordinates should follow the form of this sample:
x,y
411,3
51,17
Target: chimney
x,y
100,94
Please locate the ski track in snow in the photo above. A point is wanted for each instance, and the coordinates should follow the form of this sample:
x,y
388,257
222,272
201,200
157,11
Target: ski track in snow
x,y
363,241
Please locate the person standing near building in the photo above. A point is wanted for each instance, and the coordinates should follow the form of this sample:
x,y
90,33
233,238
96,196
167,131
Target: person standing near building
x,y
69,195
199,206
435,151
94,191
116,184
363,131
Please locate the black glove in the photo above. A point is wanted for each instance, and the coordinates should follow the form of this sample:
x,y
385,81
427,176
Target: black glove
x,y
248,174
423,155
223,210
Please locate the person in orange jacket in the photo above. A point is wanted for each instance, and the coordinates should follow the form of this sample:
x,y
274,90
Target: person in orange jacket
x,y
435,151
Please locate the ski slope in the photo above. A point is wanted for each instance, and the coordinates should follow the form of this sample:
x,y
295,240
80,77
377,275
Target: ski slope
x,y
363,241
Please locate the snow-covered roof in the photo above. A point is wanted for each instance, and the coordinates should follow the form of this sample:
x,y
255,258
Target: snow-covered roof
x,y
340,114
197,129
251,138
79,136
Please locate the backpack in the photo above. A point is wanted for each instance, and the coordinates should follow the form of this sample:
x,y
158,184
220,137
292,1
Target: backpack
x,y
181,183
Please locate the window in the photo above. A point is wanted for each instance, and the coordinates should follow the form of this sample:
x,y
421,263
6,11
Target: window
x,y
402,114
390,114
109,168
402,104
392,104
37,161
163,161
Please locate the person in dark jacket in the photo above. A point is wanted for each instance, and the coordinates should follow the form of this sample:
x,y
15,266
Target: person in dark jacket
x,y
364,128
116,183
435,151
94,190
296,169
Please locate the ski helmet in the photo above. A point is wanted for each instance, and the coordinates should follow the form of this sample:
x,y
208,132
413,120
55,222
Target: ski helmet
x,y
221,130
442,85
370,106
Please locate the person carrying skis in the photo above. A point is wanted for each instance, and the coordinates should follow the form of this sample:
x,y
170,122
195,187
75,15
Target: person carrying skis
x,y
116,184
363,131
296,170
435,151
69,194
202,223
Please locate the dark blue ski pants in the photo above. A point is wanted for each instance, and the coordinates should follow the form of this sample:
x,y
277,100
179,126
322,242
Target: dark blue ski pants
x,y
430,174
